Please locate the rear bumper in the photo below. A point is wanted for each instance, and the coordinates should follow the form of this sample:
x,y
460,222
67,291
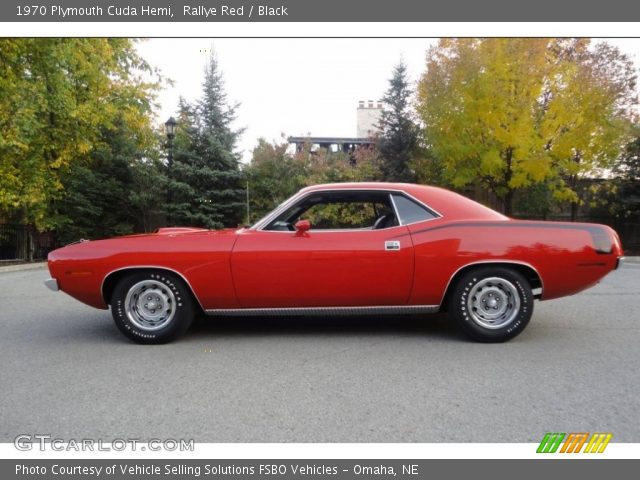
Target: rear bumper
x,y
52,284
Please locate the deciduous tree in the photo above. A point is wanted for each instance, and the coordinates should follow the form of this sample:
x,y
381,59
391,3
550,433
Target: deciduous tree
x,y
511,113
61,99
619,195
273,175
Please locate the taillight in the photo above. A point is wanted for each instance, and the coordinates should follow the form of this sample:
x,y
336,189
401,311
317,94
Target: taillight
x,y
617,244
603,240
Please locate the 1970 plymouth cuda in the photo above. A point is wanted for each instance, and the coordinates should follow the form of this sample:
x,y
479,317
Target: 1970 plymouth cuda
x,y
349,248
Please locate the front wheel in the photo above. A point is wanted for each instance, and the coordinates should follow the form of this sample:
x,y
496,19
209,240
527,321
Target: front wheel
x,y
492,304
152,307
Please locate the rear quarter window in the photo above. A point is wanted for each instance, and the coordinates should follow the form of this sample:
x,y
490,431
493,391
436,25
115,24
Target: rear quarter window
x,y
410,211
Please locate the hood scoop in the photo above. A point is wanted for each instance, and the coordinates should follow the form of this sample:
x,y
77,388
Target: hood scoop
x,y
176,230
82,240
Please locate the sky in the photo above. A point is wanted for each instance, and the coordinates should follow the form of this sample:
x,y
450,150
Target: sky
x,y
292,86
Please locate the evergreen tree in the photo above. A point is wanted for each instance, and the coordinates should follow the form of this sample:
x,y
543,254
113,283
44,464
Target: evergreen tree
x,y
205,182
106,195
399,138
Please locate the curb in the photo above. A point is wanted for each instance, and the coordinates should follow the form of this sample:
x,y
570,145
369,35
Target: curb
x,y
23,267
631,260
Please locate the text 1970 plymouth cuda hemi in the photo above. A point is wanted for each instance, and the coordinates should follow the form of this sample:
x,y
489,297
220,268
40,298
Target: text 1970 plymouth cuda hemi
x,y
349,248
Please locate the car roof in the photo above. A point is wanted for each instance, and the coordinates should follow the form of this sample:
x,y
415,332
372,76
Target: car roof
x,y
447,203
359,185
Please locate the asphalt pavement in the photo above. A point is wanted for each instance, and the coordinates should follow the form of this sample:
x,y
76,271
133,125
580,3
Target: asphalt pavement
x,y
65,370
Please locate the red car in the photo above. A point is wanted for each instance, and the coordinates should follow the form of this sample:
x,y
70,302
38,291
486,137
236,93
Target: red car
x,y
348,248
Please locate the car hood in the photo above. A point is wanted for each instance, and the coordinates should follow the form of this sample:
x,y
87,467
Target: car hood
x,y
156,241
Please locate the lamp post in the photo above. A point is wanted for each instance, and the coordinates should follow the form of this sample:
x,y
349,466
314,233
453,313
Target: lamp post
x,y
170,130
248,205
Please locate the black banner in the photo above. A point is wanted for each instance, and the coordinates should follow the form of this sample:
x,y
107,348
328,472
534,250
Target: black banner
x,y
315,469
318,11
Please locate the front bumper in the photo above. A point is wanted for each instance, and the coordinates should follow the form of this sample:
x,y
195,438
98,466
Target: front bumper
x,y
52,284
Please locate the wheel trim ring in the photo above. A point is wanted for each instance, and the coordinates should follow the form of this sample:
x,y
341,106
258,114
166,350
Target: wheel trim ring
x,y
481,307
154,313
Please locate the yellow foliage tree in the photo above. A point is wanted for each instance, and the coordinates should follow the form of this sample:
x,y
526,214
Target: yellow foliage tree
x,y
58,97
511,113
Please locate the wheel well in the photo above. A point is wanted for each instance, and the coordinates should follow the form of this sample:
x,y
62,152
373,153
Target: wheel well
x,y
535,282
111,280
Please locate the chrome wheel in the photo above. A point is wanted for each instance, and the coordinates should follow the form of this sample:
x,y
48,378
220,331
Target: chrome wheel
x,y
493,303
150,305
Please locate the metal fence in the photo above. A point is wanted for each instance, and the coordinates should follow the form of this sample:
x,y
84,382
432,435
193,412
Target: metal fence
x,y
630,237
24,243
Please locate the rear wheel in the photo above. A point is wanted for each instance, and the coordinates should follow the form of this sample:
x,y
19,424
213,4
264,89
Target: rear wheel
x,y
152,307
492,304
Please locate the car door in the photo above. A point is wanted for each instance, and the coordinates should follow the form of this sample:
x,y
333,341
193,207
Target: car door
x,y
323,267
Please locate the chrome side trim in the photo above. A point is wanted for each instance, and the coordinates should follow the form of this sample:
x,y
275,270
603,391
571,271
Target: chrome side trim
x,y
395,207
52,284
497,260
341,230
300,311
156,267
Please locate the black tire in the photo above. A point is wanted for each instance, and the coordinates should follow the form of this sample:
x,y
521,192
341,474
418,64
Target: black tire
x,y
135,320
491,304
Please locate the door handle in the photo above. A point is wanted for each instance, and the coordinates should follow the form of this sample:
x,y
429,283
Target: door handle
x,y
392,245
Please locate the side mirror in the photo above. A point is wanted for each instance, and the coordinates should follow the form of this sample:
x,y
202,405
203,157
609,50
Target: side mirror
x,y
302,227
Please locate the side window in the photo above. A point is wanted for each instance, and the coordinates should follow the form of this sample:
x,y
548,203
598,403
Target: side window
x,y
345,215
409,211
340,210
